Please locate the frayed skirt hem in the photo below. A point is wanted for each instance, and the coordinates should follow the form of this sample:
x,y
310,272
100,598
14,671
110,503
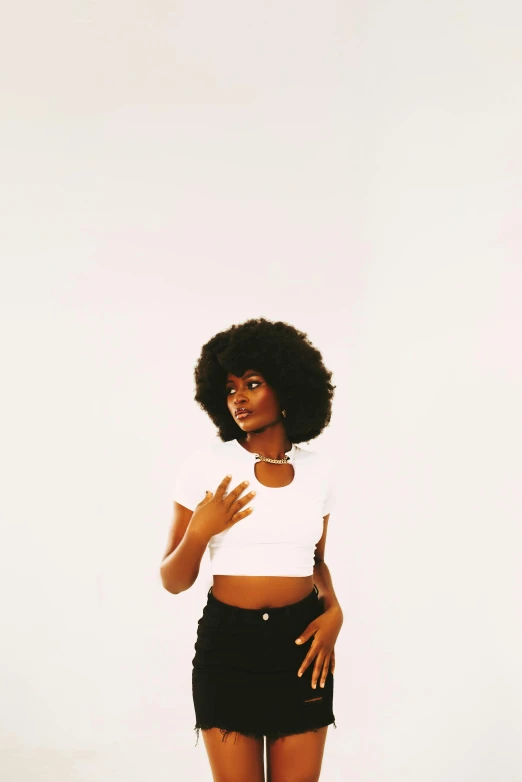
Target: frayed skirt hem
x,y
255,735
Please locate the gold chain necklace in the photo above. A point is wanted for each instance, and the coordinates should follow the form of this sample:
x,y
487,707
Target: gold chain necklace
x,y
272,461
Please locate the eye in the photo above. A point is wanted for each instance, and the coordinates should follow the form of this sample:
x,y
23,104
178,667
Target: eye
x,y
250,382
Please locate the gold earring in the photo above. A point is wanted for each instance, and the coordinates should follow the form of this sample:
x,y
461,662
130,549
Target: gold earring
x,y
284,413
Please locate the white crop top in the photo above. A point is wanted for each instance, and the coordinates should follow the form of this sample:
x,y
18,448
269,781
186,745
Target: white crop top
x,y
279,537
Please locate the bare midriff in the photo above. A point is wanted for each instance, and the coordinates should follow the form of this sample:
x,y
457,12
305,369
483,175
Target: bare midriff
x,y
261,591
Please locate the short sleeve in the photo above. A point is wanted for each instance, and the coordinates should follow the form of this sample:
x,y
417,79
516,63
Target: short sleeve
x,y
189,488
330,487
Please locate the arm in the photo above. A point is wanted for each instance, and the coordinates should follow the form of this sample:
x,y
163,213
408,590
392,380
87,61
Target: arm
x,y
322,575
326,627
185,548
324,583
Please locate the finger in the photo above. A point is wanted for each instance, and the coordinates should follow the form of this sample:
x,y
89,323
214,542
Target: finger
x,y
232,496
207,496
308,632
243,500
332,661
317,668
326,665
240,514
238,503
221,489
307,660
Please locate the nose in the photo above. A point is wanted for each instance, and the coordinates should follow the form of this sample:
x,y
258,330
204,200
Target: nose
x,y
240,399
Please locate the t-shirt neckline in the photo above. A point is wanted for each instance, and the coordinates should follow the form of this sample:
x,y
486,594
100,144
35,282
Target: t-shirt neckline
x,y
252,458
291,453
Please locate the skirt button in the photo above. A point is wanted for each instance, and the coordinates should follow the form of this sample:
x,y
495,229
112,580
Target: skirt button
x,y
265,616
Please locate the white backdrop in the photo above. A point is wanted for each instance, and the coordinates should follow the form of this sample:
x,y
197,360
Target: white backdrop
x,y
171,168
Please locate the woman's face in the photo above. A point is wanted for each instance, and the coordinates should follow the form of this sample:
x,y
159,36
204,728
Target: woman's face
x,y
252,392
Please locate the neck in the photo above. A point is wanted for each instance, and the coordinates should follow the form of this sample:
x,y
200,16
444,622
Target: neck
x,y
273,444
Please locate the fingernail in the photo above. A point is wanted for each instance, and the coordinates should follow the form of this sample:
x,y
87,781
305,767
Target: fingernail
x,y
298,641
299,673
322,684
313,685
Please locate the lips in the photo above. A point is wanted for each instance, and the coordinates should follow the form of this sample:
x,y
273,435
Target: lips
x,y
242,413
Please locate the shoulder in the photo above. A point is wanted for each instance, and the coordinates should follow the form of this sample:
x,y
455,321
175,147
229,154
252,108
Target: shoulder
x,y
209,455
322,476
311,456
317,462
218,452
195,471
206,452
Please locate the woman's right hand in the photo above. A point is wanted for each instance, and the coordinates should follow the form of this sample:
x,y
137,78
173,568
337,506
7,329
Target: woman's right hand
x,y
218,512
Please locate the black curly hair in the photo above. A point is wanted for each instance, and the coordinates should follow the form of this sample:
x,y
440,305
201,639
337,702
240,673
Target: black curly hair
x,y
290,364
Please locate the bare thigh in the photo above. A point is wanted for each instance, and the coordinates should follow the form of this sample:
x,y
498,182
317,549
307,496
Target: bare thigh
x,y
296,758
235,759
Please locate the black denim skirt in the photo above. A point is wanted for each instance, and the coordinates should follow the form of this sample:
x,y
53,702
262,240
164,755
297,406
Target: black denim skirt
x,y
244,672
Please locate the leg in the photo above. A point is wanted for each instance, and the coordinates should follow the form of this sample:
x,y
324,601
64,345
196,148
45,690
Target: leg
x,y
234,757
296,758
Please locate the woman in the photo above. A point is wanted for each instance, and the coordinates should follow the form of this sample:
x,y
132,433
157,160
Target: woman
x,y
264,657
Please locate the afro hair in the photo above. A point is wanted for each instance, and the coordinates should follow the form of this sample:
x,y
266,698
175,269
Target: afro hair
x,y
288,361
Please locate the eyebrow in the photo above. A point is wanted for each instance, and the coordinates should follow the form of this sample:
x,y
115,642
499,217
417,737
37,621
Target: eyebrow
x,y
247,374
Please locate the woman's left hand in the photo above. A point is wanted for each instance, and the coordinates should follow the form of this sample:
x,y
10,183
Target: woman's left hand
x,y
325,629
